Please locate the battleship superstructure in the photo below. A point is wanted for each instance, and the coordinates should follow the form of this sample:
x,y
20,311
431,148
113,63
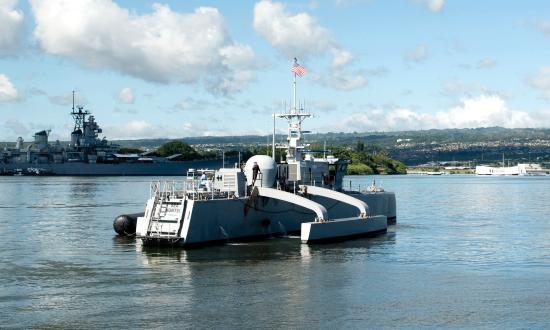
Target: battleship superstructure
x,y
303,194
87,154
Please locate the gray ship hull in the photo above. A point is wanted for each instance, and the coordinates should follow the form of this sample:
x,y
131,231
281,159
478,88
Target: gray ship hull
x,y
122,169
208,222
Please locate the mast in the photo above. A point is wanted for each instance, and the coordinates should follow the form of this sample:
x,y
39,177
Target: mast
x,y
294,107
273,145
79,115
294,116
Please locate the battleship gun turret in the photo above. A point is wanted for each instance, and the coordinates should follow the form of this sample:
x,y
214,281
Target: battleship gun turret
x,y
86,154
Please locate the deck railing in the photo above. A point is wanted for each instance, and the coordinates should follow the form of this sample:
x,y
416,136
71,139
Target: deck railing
x,y
191,188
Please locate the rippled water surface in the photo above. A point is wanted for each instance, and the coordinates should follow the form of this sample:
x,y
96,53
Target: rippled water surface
x,y
466,252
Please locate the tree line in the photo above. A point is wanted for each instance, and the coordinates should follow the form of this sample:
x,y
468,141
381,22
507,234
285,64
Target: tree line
x,y
364,160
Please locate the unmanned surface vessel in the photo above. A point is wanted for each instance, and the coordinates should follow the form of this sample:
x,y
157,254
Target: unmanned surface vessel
x,y
303,194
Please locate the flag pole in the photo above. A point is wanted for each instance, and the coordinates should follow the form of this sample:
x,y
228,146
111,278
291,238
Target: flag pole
x,y
295,92
295,63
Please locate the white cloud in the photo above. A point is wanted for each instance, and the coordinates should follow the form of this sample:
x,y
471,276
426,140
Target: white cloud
x,y
67,99
543,118
7,90
341,3
541,81
130,111
544,27
324,106
140,129
432,5
435,5
16,128
418,54
340,57
454,88
195,104
344,80
11,27
126,96
135,129
481,111
313,5
237,55
295,35
185,104
162,46
486,63
300,35
13,128
231,82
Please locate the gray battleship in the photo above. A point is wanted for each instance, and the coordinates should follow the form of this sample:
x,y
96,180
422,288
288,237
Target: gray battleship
x,y
87,154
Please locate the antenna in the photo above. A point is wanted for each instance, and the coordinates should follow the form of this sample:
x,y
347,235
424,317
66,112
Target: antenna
x,y
295,114
79,116
273,146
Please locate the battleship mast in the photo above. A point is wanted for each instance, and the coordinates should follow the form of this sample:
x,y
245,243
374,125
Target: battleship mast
x,y
79,116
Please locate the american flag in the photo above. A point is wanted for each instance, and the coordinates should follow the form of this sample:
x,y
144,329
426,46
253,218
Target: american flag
x,y
298,69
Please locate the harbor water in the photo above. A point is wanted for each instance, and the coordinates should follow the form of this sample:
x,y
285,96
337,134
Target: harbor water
x,y
466,252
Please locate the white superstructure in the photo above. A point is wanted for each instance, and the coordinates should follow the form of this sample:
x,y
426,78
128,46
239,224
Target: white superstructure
x,y
520,169
532,170
301,194
490,170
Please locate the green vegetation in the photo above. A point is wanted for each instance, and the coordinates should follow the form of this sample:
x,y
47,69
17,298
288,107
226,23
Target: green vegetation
x,y
478,145
462,171
359,169
365,161
130,151
178,147
280,154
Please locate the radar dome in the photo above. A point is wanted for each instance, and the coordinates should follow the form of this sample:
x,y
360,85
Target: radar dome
x,y
268,168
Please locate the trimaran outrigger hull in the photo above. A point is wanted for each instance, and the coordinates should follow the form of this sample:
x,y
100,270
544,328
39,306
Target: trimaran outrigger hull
x,y
302,194
226,220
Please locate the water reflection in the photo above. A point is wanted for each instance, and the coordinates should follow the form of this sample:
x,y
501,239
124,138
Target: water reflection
x,y
272,249
250,252
462,250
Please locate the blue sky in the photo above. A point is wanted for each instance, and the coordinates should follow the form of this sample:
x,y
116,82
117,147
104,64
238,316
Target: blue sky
x,y
191,68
